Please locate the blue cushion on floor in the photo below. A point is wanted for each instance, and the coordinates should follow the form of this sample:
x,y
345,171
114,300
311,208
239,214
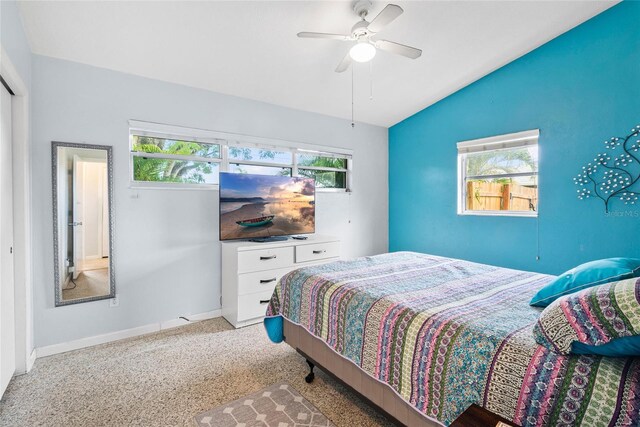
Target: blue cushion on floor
x,y
584,276
275,328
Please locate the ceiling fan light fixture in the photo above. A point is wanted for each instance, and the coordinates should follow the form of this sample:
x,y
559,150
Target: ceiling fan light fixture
x,y
362,33
363,51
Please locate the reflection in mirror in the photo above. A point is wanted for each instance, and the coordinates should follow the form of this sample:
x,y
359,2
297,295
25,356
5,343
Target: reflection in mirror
x,y
82,222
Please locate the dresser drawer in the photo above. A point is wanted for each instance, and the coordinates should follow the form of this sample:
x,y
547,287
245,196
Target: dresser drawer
x,y
317,251
249,283
264,259
255,305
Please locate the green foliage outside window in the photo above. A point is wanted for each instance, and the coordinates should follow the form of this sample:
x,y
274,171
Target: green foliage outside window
x,y
153,169
321,161
324,179
489,174
243,153
501,162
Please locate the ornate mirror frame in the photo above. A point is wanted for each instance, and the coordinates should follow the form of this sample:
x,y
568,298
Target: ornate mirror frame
x,y
54,174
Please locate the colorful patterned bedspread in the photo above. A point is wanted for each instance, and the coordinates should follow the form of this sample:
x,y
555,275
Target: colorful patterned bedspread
x,y
446,333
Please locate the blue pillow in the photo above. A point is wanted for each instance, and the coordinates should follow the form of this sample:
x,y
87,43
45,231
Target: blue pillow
x,y
600,320
584,276
620,347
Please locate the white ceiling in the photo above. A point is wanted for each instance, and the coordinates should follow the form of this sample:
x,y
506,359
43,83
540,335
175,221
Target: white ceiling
x,y
250,49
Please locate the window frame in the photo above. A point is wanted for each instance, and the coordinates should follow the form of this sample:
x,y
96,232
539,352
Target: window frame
x,y
225,141
347,169
500,142
228,161
175,136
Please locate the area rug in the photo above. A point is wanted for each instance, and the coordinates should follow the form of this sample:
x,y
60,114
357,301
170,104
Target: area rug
x,y
279,405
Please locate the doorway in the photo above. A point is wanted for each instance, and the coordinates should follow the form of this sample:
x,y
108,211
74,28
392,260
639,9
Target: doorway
x,y
7,285
83,212
16,118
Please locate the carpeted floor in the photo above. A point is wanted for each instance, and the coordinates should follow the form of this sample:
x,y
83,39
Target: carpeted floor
x,y
167,378
90,283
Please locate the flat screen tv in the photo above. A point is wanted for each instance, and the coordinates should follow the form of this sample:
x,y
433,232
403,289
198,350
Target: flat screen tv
x,y
265,206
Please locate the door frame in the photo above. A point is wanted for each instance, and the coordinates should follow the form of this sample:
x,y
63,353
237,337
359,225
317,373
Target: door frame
x,y
77,216
25,354
103,194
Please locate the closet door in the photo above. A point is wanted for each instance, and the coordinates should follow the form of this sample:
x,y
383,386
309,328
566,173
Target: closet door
x,y
7,319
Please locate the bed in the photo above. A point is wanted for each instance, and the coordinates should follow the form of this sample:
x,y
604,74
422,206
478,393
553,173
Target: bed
x,y
423,337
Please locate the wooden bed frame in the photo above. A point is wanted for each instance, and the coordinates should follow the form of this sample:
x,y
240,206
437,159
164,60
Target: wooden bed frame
x,y
374,392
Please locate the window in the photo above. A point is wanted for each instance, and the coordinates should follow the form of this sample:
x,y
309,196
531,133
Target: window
x,y
173,157
262,161
499,175
329,171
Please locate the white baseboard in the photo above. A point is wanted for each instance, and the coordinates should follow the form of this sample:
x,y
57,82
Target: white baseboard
x,y
119,335
173,323
31,360
28,364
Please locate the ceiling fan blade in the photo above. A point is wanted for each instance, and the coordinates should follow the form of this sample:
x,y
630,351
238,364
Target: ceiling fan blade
x,y
398,49
307,35
384,18
344,64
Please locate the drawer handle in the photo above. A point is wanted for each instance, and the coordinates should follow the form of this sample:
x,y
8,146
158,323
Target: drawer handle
x,y
319,251
264,301
266,258
268,280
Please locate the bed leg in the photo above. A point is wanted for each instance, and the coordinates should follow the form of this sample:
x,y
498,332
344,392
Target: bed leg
x,y
309,378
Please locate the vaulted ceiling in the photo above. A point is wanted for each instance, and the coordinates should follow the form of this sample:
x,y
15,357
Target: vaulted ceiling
x,y
250,49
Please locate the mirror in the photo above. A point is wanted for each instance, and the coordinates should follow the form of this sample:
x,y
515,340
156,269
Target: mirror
x,y
82,222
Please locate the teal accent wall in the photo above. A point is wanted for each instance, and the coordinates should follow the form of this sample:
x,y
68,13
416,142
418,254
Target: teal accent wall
x,y
578,89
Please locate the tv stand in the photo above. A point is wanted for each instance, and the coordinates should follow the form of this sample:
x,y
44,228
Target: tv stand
x,y
250,272
269,239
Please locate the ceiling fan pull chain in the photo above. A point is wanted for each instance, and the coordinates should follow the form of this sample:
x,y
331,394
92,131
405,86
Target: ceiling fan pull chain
x,y
353,123
371,80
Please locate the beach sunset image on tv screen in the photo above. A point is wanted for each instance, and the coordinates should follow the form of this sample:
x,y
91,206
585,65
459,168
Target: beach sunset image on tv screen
x,y
253,206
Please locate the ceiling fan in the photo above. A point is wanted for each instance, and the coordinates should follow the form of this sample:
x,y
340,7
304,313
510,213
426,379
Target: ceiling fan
x,y
364,32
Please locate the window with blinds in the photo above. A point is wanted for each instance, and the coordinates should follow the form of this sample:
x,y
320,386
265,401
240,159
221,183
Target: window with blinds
x,y
499,175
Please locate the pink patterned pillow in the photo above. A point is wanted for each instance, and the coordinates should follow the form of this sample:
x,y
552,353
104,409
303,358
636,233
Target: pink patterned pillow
x,y
595,317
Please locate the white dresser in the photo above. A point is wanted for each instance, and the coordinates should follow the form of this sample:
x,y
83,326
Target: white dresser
x,y
251,270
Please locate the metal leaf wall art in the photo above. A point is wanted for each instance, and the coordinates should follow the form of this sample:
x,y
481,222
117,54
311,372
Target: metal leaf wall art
x,y
613,175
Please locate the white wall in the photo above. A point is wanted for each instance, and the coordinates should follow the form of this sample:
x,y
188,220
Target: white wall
x,y
167,255
14,40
